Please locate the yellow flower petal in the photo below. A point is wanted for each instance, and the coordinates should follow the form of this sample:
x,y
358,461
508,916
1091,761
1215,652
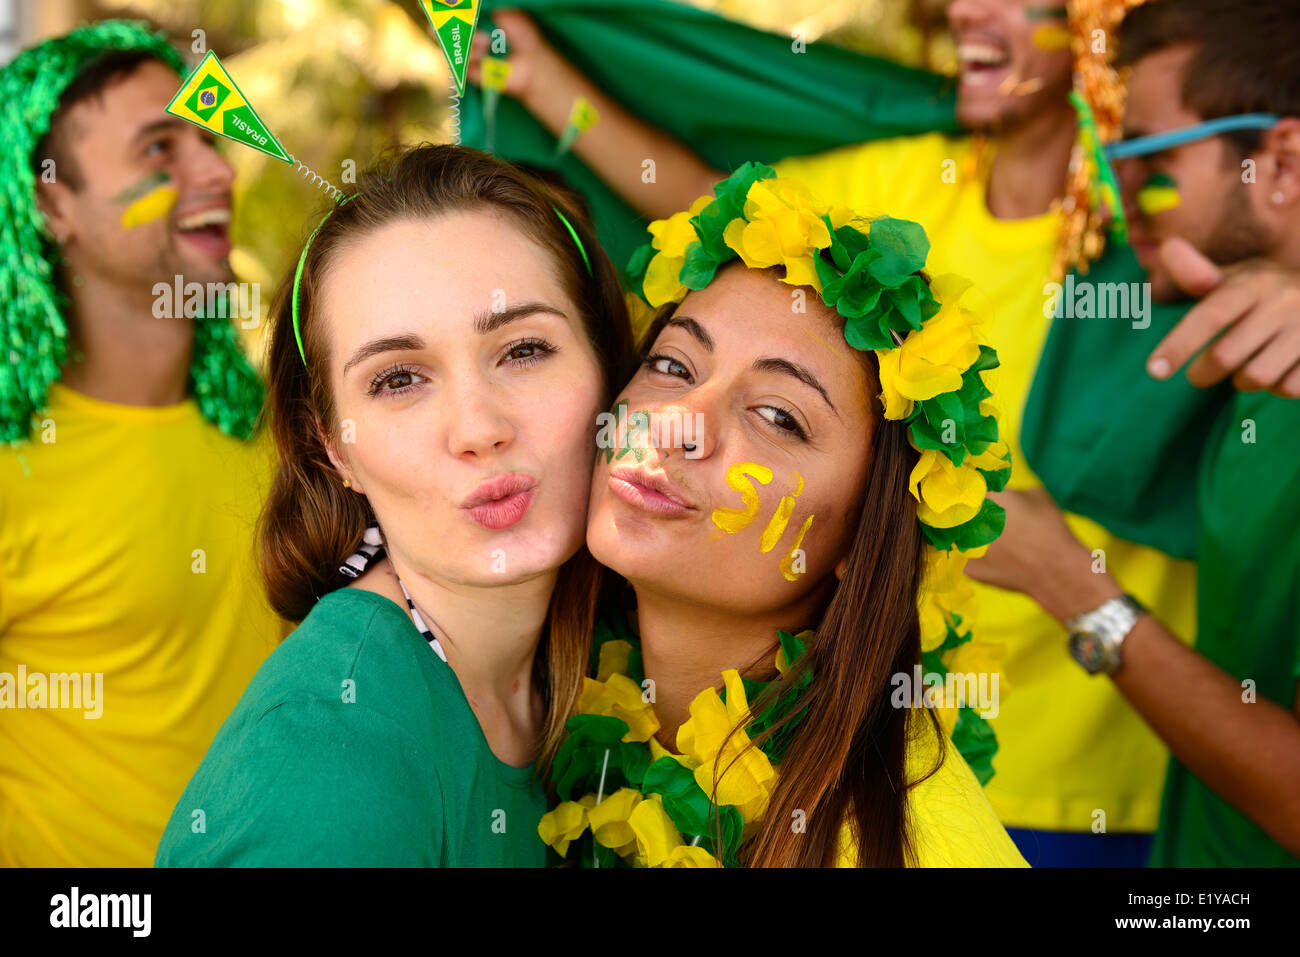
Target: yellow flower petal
x,y
746,776
594,697
801,272
658,751
760,245
671,236
613,659
993,459
947,494
662,283
934,625
656,834
980,657
689,855
608,819
897,405
563,825
629,704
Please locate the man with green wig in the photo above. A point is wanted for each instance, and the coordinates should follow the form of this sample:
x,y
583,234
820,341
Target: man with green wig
x,y
131,615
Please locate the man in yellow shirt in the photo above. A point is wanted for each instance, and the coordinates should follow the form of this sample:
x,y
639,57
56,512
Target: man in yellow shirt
x,y
1078,774
131,615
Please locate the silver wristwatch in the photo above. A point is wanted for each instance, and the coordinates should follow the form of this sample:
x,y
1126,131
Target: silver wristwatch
x,y
1096,636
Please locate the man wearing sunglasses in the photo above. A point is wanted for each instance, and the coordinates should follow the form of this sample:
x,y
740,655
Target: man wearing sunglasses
x,y
1210,174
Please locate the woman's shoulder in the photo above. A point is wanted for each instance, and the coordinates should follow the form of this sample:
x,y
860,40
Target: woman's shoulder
x,y
351,639
953,823
358,666
337,723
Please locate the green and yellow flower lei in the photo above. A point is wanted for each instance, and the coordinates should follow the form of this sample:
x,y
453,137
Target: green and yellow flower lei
x,y
627,801
642,805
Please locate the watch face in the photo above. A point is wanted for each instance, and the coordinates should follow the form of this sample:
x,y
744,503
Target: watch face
x,y
1087,649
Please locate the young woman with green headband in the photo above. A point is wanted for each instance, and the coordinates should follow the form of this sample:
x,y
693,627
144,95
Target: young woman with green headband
x,y
436,369
797,471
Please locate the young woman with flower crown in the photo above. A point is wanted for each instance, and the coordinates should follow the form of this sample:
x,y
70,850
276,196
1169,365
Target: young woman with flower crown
x,y
795,562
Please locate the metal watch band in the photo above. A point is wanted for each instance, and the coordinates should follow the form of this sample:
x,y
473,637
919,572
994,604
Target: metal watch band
x,y
1097,636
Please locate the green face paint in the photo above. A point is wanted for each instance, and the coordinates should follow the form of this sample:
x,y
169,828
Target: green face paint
x,y
621,434
1158,193
142,188
1046,13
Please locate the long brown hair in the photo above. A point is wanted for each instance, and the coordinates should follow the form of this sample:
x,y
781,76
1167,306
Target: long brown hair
x,y
846,762
311,523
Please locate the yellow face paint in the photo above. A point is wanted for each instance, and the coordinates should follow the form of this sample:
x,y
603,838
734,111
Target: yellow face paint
x,y
787,563
1051,38
732,520
153,205
776,527
1158,193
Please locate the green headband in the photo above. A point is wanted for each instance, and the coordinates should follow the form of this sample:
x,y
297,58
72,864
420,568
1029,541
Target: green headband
x,y
33,311
302,259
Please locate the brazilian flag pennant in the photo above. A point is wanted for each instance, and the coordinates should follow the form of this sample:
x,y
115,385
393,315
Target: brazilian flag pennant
x,y
210,99
453,21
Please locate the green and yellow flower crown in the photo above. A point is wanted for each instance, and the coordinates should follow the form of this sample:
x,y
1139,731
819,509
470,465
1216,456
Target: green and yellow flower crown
x,y
931,363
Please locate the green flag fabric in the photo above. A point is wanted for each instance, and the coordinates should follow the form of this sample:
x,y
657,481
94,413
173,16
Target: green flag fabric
x,y
1106,439
730,92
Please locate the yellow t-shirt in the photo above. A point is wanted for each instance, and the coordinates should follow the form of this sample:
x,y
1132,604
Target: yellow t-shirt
x,y
126,552
952,822
1069,744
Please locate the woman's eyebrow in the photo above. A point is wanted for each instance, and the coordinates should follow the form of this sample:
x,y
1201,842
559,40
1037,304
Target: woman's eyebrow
x,y
694,328
484,323
487,322
786,367
402,343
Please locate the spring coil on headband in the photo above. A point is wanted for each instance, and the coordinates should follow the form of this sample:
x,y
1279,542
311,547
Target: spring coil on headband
x,y
315,179
453,111
302,259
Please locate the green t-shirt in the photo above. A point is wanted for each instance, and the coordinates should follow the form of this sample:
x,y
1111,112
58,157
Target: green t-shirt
x,y
354,746
1107,440
1249,612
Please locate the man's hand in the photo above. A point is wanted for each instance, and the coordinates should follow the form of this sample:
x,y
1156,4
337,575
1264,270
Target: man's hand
x,y
1254,303
1039,556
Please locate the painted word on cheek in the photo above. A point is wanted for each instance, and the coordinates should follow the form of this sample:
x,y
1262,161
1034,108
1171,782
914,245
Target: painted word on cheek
x,y
732,520
151,198
1158,193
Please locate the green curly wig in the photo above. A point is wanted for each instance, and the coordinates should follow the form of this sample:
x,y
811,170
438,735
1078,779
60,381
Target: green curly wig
x,y
33,325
